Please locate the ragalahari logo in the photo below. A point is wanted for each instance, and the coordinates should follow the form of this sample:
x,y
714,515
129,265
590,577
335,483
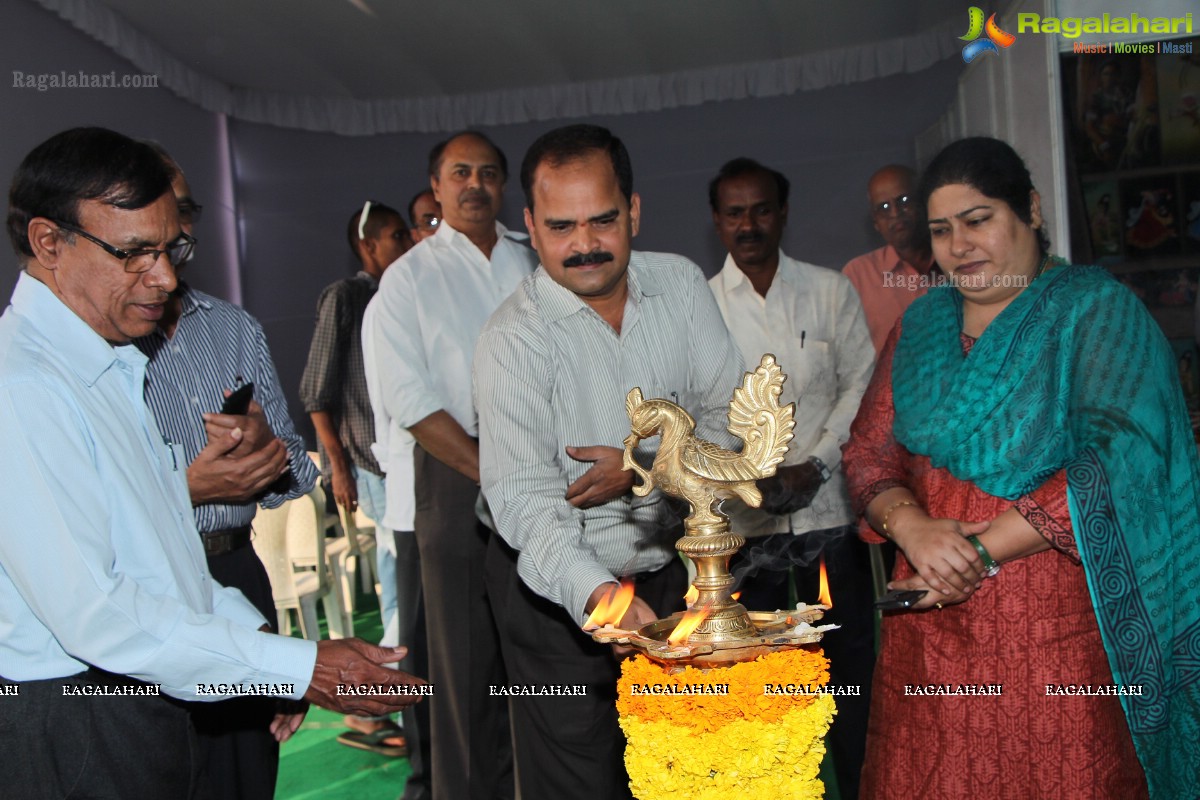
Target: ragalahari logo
x,y
995,36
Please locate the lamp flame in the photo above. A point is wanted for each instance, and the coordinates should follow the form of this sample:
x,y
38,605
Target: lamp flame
x,y
690,621
734,597
690,597
612,607
824,597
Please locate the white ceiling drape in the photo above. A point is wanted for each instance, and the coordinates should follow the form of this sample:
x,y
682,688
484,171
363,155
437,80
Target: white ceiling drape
x,y
352,117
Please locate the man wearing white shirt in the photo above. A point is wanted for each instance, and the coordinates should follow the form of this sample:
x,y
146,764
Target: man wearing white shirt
x,y
427,314
393,450
812,320
105,590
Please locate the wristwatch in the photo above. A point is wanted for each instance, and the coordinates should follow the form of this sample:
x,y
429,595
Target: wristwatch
x,y
821,468
991,567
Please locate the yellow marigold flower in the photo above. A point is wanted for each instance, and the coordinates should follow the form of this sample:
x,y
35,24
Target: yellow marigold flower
x,y
745,759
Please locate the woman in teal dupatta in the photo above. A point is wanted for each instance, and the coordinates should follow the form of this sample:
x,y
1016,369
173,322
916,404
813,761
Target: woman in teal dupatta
x,y
1025,419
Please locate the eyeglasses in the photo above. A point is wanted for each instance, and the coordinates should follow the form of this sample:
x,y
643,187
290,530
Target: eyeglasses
x,y
429,223
138,261
189,211
898,205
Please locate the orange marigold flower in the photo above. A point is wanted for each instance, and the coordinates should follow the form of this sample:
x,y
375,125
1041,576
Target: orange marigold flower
x,y
688,698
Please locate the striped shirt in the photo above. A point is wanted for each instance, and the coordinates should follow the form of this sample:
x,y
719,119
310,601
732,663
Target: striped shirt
x,y
550,372
334,378
217,346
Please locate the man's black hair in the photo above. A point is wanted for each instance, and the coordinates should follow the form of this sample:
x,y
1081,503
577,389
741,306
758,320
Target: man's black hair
x,y
572,142
82,164
377,217
747,166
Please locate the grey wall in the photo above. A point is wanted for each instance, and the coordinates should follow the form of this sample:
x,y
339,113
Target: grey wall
x,y
33,41
291,191
296,189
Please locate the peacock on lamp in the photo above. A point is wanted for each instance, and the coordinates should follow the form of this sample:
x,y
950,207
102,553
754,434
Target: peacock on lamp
x,y
717,630
700,711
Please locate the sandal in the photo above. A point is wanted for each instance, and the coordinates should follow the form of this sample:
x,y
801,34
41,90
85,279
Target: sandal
x,y
377,742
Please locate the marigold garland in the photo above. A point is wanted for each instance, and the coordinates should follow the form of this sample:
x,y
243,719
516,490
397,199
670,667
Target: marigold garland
x,y
746,759
709,713
745,743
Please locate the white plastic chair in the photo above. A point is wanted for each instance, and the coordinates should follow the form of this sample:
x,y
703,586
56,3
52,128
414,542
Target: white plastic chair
x,y
291,545
360,530
329,519
350,553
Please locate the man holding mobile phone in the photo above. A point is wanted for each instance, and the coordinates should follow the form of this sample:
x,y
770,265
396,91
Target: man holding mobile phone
x,y
209,356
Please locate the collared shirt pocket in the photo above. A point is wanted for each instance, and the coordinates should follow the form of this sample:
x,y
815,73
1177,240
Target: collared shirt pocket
x,y
810,369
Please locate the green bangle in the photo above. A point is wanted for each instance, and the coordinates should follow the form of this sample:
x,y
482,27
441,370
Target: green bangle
x,y
990,565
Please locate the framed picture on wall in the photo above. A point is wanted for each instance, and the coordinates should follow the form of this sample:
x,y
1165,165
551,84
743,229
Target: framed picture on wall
x,y
1151,226
1179,104
1113,107
1188,362
1191,212
1133,154
1166,294
1103,205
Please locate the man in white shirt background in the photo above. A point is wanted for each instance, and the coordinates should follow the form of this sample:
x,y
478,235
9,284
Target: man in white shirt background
x,y
423,323
811,319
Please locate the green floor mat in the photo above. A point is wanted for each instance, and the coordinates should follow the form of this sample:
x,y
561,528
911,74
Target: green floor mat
x,y
313,765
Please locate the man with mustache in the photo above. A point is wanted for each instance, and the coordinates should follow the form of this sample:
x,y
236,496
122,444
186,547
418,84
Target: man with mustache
x,y
890,278
552,368
812,320
422,324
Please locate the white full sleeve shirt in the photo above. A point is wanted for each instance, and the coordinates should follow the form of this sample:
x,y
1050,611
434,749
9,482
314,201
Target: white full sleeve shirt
x,y
426,316
812,320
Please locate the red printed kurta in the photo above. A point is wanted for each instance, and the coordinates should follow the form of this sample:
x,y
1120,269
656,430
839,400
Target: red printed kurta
x,y
1029,628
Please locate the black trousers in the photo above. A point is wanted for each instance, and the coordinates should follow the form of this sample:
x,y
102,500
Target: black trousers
x,y
101,748
415,718
471,756
241,757
762,568
565,747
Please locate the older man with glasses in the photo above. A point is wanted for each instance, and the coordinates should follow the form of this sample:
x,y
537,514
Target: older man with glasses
x,y
890,278
106,601
424,214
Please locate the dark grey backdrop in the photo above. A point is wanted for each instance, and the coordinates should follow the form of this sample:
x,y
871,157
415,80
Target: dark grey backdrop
x,y
276,201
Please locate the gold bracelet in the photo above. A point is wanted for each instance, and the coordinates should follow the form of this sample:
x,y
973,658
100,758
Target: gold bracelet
x,y
888,513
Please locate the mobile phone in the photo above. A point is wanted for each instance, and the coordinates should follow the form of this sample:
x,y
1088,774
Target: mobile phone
x,y
898,599
239,401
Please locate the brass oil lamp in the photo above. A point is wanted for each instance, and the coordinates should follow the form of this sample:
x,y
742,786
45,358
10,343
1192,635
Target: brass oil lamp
x,y
717,630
